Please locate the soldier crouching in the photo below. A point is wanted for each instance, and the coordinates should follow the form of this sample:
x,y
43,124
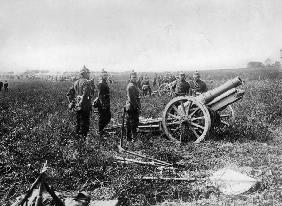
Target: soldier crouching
x,y
133,107
197,85
79,97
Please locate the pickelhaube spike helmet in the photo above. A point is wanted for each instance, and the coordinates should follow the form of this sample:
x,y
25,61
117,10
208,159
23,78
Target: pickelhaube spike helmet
x,y
104,73
196,74
84,70
182,74
133,73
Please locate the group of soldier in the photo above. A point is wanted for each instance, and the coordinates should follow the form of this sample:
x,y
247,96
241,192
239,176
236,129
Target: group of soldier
x,y
81,93
80,100
195,87
179,84
4,85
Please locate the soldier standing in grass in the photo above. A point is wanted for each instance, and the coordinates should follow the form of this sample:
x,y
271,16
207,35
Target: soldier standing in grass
x,y
182,87
1,86
79,97
197,85
132,107
146,89
104,110
155,79
6,86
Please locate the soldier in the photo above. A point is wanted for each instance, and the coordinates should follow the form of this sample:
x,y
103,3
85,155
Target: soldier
x,y
5,86
197,85
139,82
79,97
1,86
182,87
132,107
104,110
146,86
155,80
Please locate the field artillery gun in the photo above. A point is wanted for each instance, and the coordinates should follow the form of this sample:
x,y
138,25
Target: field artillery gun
x,y
167,88
188,118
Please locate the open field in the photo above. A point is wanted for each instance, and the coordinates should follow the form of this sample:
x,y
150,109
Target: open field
x,y
35,126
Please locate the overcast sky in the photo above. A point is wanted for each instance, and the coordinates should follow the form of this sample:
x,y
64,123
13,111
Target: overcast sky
x,y
145,35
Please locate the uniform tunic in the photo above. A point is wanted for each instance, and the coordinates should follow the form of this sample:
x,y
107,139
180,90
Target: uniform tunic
x,y
6,86
133,100
199,86
133,96
104,110
146,87
80,96
182,88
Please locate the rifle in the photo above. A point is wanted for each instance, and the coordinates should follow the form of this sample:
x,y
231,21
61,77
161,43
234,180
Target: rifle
x,y
122,128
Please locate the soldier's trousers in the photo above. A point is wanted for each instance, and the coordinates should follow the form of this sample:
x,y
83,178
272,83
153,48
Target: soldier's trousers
x,y
82,122
132,122
104,118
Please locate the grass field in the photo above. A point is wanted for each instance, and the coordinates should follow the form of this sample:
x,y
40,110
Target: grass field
x,y
35,126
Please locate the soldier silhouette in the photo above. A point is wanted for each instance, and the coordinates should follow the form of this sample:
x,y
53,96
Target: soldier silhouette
x,y
79,96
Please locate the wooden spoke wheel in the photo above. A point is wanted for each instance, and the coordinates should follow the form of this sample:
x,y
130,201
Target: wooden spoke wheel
x,y
227,117
163,89
186,119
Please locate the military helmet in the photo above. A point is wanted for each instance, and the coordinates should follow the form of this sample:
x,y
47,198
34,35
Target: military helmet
x,y
196,74
104,73
84,70
133,73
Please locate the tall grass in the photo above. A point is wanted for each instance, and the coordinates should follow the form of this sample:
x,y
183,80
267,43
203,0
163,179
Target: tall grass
x,y
35,126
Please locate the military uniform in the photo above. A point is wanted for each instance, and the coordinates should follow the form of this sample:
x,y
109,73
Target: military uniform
x,y
146,87
104,110
199,86
79,97
139,82
182,88
6,86
155,80
133,107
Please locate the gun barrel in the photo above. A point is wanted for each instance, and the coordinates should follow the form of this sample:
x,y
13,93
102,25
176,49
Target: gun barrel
x,y
208,96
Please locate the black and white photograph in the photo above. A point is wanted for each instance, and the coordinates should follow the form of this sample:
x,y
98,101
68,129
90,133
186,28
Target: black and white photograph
x,y
140,102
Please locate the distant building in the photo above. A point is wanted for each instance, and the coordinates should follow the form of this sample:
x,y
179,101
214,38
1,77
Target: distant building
x,y
255,65
277,64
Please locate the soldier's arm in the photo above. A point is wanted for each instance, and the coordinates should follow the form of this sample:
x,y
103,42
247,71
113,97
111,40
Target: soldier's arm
x,y
99,90
71,94
177,88
101,93
92,87
205,88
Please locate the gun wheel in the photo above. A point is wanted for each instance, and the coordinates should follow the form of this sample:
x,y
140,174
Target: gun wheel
x,y
186,119
227,117
163,89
